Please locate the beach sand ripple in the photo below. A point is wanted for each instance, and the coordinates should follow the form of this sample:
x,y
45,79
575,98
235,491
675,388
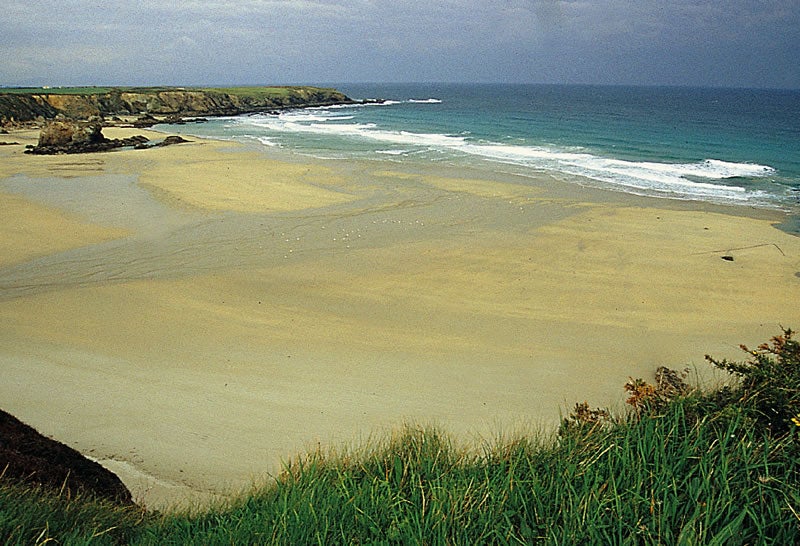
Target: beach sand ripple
x,y
235,309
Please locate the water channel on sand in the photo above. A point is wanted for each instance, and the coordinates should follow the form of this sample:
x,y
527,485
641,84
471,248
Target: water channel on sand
x,y
218,328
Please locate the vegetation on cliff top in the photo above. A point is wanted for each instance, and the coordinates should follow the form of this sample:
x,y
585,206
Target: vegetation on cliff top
x,y
254,91
683,466
56,90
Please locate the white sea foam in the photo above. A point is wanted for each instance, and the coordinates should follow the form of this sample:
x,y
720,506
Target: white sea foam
x,y
688,180
305,116
266,141
333,107
679,179
372,102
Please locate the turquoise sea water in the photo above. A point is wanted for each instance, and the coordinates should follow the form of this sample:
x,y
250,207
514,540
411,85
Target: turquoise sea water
x,y
728,146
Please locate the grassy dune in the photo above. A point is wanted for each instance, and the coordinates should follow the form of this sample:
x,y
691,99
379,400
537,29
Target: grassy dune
x,y
683,466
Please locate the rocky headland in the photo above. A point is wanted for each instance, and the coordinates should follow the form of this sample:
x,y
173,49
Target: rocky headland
x,y
28,105
72,119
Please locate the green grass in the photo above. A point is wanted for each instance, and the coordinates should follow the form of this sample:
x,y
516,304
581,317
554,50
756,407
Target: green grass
x,y
55,90
29,515
653,481
680,468
264,92
243,91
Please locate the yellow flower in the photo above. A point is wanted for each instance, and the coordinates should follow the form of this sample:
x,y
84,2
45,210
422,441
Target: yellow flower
x,y
796,420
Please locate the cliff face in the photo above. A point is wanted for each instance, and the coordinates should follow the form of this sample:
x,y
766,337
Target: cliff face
x,y
24,108
181,102
177,102
209,102
73,106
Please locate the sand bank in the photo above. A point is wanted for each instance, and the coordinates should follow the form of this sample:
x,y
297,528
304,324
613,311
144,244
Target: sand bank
x,y
261,307
246,184
27,230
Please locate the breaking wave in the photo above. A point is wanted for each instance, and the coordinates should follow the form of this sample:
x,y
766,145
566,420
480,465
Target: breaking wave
x,y
698,180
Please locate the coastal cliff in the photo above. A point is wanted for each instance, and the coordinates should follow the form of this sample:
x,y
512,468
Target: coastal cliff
x,y
25,105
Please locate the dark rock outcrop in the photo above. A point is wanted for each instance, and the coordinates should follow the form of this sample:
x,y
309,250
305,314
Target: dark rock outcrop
x,y
28,457
169,141
72,137
144,121
23,108
172,139
69,133
77,137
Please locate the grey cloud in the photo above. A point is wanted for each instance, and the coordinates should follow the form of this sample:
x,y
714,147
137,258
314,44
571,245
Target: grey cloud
x,y
684,42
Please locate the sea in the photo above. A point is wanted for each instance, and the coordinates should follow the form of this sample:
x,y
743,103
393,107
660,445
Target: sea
x,y
721,146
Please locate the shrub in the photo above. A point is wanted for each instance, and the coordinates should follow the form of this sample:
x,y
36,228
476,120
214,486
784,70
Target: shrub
x,y
769,383
670,384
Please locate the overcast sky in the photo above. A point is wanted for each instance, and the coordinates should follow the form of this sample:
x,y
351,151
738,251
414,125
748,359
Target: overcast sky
x,y
738,43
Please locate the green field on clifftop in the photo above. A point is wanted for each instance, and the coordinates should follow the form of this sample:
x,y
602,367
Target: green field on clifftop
x,y
57,90
262,92
240,91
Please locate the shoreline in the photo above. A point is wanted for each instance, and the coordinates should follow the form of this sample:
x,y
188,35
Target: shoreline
x,y
233,309
786,216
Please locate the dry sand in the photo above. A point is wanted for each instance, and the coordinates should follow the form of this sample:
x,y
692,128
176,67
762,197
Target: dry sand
x,y
193,315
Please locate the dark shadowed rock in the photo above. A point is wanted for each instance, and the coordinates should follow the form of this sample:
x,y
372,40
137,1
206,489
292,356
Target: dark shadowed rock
x,y
168,141
28,457
16,108
71,133
172,139
144,121
72,137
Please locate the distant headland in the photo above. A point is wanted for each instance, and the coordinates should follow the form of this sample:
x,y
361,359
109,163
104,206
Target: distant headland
x,y
24,105
72,118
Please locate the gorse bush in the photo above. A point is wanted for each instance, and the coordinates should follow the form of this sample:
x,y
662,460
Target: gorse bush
x,y
669,385
769,383
766,390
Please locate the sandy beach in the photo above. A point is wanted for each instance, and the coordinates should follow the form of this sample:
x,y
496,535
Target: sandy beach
x,y
192,316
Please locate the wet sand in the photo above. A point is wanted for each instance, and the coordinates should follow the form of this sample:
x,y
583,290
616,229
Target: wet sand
x,y
192,316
